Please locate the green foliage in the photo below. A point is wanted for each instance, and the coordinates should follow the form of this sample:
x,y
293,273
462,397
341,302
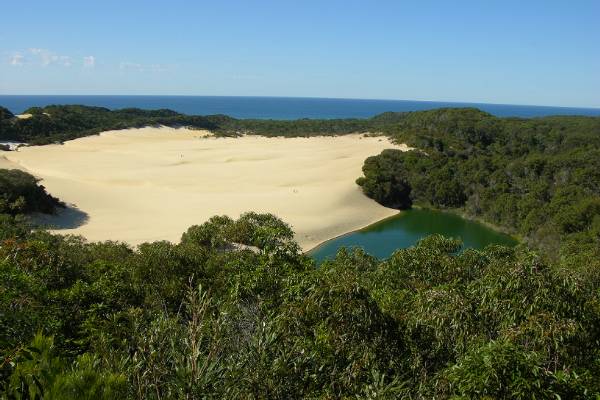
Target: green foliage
x,y
214,319
385,180
6,125
534,177
59,123
236,311
294,128
38,372
21,194
5,114
502,370
13,226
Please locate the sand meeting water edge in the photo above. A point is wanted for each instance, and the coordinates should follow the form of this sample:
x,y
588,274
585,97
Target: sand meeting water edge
x,y
149,184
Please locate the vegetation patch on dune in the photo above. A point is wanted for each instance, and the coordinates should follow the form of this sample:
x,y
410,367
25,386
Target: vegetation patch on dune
x,y
21,194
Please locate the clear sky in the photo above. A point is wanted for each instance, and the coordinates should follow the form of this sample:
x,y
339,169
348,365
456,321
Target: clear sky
x,y
518,52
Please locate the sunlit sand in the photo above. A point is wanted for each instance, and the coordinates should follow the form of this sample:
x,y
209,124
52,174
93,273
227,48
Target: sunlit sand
x,y
151,184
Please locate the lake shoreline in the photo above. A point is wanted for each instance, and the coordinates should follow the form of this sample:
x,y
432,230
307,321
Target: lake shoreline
x,y
353,231
464,216
468,217
407,227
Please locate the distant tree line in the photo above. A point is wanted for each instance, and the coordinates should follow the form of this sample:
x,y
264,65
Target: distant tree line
x,y
55,124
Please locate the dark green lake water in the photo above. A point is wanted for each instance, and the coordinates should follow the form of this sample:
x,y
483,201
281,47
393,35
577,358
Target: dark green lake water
x,y
406,229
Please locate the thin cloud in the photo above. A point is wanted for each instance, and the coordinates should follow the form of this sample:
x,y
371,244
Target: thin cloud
x,y
43,57
36,56
47,57
16,59
126,65
89,61
130,65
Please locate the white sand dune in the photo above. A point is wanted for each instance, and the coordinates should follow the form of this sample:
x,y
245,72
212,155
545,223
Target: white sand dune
x,y
151,184
5,164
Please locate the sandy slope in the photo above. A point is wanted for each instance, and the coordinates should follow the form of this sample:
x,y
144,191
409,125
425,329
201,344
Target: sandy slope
x,y
5,164
153,183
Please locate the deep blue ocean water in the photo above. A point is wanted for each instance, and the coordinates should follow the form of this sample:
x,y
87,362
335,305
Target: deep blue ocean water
x,y
280,107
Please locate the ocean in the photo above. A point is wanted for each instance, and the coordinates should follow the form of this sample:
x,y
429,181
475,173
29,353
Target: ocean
x,y
280,107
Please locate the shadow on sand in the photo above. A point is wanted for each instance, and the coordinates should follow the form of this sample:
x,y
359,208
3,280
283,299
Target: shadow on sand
x,y
69,217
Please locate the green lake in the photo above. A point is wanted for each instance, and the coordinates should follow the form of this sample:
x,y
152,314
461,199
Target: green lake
x,y
407,228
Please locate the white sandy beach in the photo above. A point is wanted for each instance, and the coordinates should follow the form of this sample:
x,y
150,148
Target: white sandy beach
x,y
153,183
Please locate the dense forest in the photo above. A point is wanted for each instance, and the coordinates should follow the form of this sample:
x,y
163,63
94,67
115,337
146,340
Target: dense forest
x,y
235,310
538,178
55,124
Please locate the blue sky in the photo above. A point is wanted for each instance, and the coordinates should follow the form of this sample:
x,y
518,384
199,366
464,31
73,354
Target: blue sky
x,y
518,52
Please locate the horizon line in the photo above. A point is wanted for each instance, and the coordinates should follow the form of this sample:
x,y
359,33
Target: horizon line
x,y
303,97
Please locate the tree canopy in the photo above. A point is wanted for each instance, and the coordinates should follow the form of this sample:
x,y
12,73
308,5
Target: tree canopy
x,y
235,310
21,194
537,178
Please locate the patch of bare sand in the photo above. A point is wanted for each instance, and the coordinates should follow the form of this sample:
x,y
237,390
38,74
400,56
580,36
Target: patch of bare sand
x,y
151,184
6,164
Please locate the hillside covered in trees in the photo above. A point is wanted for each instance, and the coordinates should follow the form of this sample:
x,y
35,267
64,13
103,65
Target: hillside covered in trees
x,y
538,178
235,310
207,318
52,124
55,124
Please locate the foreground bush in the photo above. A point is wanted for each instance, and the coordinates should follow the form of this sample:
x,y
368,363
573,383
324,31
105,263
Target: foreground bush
x,y
208,318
